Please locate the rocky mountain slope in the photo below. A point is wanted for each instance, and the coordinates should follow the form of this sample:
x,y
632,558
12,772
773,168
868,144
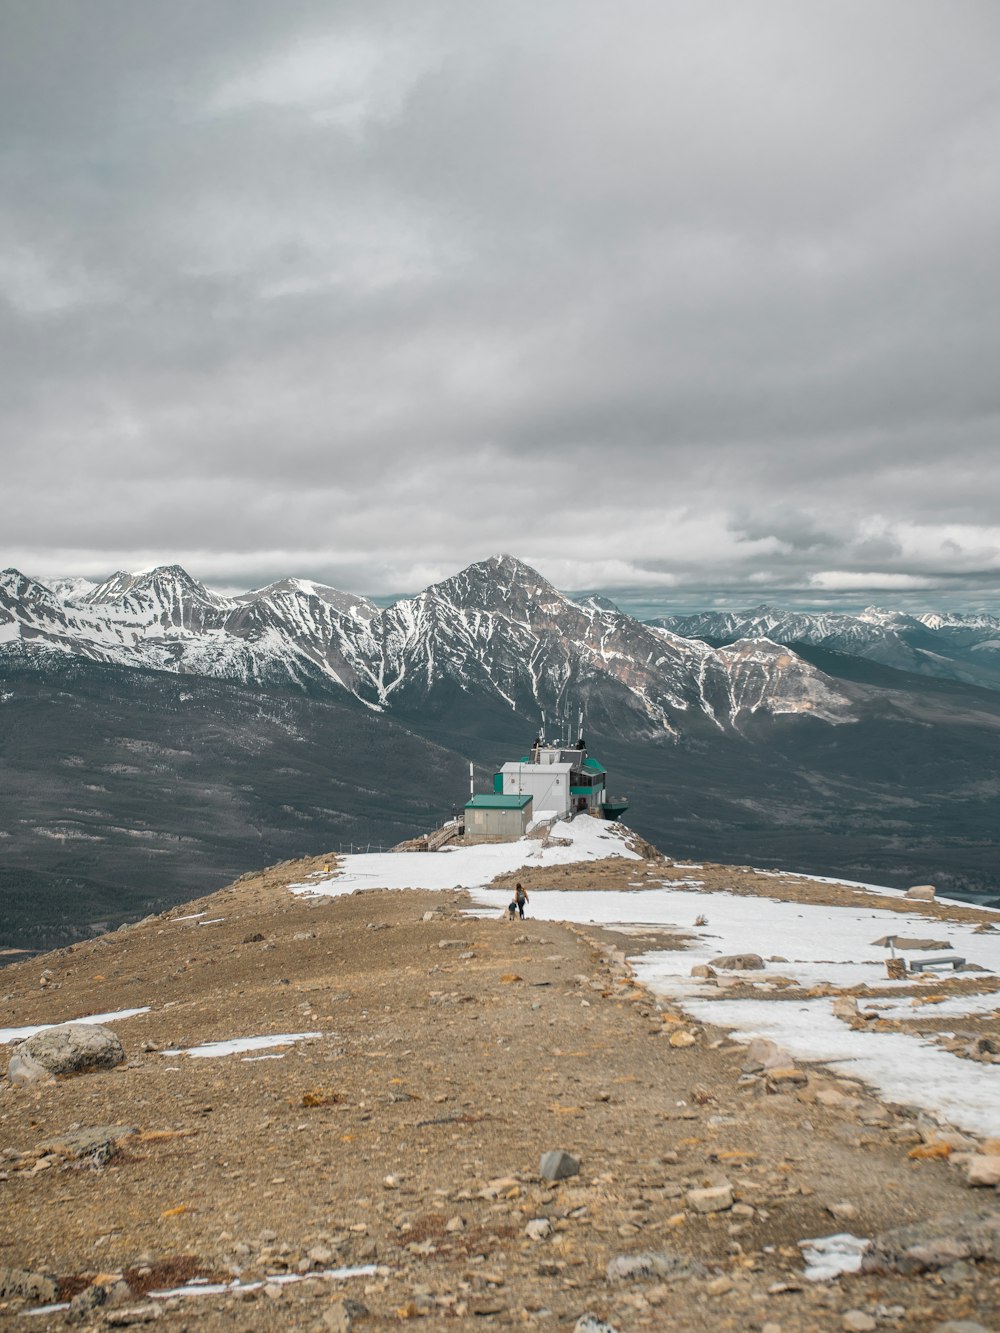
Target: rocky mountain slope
x,y
496,629
378,1162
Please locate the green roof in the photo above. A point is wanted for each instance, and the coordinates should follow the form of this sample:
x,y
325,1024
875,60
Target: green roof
x,y
593,766
492,801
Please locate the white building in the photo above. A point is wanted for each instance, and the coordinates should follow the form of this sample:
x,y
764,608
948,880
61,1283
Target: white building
x,y
548,785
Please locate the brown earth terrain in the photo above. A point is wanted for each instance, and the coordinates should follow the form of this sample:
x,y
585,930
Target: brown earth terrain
x,y
406,1137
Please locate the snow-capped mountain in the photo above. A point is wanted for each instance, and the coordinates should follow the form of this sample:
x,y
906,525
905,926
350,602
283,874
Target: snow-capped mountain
x,y
950,647
496,630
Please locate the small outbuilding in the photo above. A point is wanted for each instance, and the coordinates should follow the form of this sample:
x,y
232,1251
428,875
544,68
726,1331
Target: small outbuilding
x,y
497,816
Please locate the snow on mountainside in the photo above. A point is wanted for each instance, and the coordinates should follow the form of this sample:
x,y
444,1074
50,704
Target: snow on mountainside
x,y
495,630
931,644
70,590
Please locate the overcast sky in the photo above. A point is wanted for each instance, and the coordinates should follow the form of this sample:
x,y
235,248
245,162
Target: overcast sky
x,y
694,299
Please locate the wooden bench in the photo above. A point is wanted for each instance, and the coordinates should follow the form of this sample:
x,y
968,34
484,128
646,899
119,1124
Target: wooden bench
x,y
942,960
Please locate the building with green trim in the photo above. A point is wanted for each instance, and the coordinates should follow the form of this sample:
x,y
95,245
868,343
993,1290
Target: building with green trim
x,y
562,781
495,815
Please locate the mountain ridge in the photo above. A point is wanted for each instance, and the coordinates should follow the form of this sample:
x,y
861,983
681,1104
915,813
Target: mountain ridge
x,y
496,625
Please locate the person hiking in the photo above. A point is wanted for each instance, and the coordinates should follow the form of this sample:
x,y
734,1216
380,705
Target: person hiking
x,y
520,897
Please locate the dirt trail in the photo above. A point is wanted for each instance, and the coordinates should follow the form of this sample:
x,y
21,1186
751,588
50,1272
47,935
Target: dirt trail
x,y
453,1053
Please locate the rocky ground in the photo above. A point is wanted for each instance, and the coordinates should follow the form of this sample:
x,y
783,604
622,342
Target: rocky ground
x,y
406,1138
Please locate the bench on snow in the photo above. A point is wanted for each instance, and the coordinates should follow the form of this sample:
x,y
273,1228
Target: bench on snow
x,y
948,959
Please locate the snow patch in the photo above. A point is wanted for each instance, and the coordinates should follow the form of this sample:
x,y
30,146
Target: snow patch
x,y
8,1035
211,1050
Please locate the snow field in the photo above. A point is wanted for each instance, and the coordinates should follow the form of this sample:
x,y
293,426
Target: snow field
x,y
469,867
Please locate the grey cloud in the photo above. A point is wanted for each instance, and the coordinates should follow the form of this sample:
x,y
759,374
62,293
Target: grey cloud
x,y
720,279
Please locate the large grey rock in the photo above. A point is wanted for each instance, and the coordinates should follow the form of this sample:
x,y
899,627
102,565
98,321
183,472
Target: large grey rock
x,y
21,1282
738,962
71,1048
557,1165
662,1264
935,1244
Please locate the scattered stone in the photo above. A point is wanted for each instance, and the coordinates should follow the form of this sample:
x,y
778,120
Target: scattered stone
x,y
664,1264
301,935
85,1302
93,1146
921,893
539,1228
936,1243
70,1048
719,1286
714,1199
702,970
557,1165
738,962
589,1323
455,1224
786,1077
960,1326
340,1316
843,1212
856,1321
767,1054
682,1038
908,942
135,1314
32,1286
982,1048
983,1170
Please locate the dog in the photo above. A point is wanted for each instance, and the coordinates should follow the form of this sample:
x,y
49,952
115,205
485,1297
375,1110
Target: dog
x,y
511,911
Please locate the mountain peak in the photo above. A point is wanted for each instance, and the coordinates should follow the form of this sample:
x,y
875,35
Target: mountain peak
x,y
499,583
162,581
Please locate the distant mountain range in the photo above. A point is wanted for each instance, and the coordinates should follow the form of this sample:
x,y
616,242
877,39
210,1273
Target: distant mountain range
x,y
156,737
946,646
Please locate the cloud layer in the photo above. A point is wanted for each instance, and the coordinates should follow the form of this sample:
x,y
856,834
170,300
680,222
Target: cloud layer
x,y
654,294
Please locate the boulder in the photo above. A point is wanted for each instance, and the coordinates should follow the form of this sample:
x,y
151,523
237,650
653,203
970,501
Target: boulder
x,y
70,1048
28,1285
936,1243
557,1165
738,962
921,893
